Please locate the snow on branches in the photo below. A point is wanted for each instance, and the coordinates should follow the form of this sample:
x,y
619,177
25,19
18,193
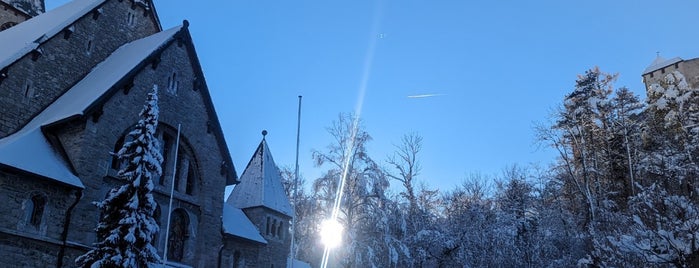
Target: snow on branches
x,y
126,225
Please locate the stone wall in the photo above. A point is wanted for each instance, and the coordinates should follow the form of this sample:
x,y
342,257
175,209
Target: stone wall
x,y
33,83
10,14
88,143
239,253
277,250
25,244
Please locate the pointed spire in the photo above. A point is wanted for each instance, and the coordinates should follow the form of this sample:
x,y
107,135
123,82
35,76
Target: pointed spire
x,y
261,183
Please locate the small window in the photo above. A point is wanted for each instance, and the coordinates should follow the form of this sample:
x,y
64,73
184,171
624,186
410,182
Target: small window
x,y
677,65
172,83
36,208
28,90
280,230
130,19
651,75
274,228
89,46
165,150
662,71
268,225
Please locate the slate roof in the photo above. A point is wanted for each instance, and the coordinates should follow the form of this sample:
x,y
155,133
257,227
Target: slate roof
x,y
659,63
29,150
261,184
236,223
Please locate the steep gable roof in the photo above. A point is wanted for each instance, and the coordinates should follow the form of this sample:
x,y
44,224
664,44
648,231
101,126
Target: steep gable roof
x,y
30,151
236,223
28,35
261,184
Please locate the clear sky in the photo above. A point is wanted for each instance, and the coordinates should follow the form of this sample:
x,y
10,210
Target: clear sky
x,y
496,67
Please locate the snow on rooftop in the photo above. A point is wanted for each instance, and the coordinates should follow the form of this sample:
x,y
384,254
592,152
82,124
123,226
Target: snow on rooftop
x,y
660,62
29,150
103,77
26,36
236,223
297,264
261,184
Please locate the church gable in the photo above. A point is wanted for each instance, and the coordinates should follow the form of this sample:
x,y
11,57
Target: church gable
x,y
116,90
44,56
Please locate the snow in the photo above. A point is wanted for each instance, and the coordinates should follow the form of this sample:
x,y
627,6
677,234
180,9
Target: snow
x,y
297,264
27,36
660,62
236,223
30,151
261,184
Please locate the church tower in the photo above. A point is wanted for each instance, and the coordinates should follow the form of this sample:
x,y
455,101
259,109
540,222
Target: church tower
x,y
262,198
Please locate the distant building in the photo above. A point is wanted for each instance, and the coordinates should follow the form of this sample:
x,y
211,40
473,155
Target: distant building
x,y
661,66
72,81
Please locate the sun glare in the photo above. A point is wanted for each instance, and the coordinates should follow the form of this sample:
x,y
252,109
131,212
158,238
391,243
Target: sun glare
x,y
331,233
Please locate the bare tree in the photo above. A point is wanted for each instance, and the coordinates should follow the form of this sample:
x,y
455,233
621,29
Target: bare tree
x,y
407,167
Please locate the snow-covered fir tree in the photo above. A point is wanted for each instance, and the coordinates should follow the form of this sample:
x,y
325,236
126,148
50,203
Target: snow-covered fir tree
x,y
126,225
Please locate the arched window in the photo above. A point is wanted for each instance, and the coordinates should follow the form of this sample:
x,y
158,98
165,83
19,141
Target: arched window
x,y
280,230
268,225
179,226
274,227
35,210
7,25
186,176
172,83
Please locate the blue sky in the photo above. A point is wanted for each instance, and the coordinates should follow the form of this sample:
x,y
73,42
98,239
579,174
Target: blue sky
x,y
498,67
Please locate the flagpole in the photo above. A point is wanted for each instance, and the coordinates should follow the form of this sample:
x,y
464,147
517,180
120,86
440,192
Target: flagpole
x,y
296,182
172,193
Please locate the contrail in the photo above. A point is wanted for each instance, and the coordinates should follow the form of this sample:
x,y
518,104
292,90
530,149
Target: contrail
x,y
424,96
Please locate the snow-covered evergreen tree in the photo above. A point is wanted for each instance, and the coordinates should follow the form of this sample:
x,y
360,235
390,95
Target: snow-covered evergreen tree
x,y
126,225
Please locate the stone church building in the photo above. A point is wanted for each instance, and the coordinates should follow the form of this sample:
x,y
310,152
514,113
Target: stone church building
x,y
72,81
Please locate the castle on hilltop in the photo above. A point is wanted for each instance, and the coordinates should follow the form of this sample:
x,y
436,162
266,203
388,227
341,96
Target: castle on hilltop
x,y
660,66
72,81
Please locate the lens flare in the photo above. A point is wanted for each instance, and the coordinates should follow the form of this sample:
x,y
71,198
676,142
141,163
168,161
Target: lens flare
x,y
331,233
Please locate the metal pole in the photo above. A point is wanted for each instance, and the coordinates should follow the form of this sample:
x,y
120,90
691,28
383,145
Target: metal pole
x,y
296,182
172,193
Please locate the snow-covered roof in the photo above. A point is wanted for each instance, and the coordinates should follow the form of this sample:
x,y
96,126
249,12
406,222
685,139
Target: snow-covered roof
x,y
660,62
22,38
297,264
236,223
29,150
104,76
261,184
